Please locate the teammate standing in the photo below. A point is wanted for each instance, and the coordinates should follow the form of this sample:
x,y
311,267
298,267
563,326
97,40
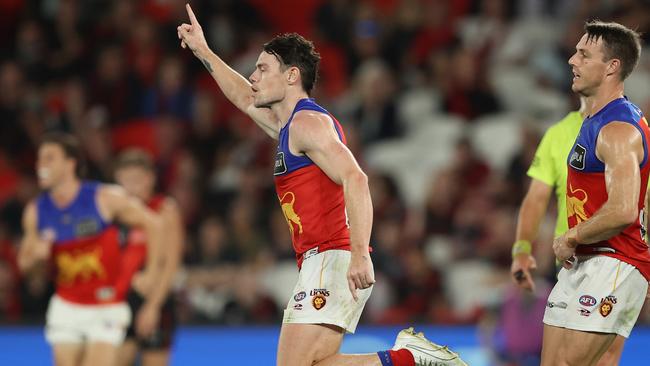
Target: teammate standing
x,y
71,223
135,171
548,173
321,190
600,293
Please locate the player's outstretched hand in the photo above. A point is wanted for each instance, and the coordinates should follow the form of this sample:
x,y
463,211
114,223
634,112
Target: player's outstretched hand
x,y
361,273
191,35
520,270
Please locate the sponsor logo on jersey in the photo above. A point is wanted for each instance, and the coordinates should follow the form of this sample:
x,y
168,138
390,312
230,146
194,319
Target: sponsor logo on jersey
x,y
584,312
280,165
86,227
578,156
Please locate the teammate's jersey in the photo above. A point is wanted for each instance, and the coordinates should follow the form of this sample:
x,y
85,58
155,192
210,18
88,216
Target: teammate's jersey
x,y
311,202
586,190
86,251
549,164
134,249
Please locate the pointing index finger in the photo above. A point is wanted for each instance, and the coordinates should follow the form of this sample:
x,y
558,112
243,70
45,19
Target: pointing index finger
x,y
190,13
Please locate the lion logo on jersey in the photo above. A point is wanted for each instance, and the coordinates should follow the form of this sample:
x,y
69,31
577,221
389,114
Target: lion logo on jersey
x,y
83,266
576,206
289,213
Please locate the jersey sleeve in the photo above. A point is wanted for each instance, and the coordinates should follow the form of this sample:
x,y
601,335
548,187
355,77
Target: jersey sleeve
x,y
542,168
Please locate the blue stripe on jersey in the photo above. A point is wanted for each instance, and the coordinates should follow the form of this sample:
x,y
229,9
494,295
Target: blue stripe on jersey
x,y
80,219
583,154
285,161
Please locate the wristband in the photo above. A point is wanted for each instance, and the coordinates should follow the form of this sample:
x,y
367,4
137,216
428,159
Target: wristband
x,y
521,247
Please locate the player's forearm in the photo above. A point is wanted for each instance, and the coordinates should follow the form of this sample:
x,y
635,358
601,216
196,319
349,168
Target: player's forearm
x,y
170,265
155,244
530,216
233,85
359,210
609,221
26,261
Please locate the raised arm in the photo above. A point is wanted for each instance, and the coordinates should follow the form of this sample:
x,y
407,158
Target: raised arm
x,y
234,86
33,249
314,135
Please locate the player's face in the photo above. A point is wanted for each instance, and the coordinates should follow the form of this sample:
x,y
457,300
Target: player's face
x,y
137,181
589,69
52,165
268,81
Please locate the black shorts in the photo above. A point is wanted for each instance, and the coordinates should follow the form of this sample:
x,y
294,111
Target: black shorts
x,y
163,334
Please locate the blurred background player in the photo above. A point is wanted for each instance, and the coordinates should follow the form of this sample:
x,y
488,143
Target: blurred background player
x,y
599,293
71,223
325,199
135,171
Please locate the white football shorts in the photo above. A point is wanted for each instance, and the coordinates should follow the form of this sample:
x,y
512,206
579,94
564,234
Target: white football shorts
x,y
322,295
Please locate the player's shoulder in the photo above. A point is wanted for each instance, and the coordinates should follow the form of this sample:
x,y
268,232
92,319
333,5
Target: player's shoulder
x,y
624,111
106,192
309,121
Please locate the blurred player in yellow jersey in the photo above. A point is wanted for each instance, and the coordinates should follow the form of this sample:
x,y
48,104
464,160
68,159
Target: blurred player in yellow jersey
x,y
548,173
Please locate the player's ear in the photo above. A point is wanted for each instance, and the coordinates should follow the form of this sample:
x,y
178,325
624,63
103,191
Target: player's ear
x,y
293,74
613,66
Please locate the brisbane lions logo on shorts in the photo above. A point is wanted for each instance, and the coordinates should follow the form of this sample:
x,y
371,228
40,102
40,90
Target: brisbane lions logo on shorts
x,y
607,305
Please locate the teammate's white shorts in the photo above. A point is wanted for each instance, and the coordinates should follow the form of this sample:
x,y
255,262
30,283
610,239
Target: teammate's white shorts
x,y
67,322
322,295
599,294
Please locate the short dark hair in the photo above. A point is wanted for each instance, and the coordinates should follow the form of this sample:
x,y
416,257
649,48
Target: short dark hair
x,y
618,42
135,157
70,146
292,49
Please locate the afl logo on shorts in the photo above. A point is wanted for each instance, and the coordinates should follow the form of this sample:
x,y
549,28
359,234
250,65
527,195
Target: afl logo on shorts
x,y
299,296
577,159
586,300
319,302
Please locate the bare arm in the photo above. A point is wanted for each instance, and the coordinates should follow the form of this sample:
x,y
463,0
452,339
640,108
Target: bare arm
x,y
174,236
532,210
620,148
234,86
531,213
314,135
117,205
33,249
